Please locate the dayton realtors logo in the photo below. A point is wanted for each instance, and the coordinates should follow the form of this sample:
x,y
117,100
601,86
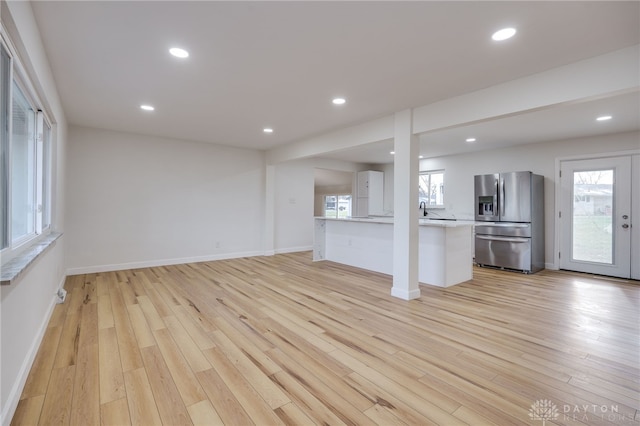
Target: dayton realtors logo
x,y
545,410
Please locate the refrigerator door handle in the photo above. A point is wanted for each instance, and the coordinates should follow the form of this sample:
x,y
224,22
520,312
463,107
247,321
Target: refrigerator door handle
x,y
496,199
506,239
501,196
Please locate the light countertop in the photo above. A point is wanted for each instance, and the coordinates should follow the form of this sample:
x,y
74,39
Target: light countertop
x,y
389,220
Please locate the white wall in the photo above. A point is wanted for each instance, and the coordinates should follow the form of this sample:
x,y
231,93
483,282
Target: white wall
x,y
293,219
27,303
137,201
538,158
295,199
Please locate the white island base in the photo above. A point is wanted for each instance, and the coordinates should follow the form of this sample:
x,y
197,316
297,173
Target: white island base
x,y
445,247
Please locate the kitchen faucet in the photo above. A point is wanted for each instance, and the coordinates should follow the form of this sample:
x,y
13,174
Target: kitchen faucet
x,y
423,206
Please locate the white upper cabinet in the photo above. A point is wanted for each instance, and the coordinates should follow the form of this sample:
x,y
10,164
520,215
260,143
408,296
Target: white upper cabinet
x,y
369,193
363,184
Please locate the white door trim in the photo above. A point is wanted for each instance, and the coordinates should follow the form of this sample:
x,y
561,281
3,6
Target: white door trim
x,y
558,195
635,211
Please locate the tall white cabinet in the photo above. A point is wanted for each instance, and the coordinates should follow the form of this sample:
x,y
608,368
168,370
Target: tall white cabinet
x,y
369,193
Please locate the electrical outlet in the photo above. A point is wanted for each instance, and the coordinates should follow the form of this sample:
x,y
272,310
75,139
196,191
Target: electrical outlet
x,y
62,295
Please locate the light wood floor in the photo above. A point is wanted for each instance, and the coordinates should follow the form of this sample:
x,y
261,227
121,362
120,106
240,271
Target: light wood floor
x,y
283,340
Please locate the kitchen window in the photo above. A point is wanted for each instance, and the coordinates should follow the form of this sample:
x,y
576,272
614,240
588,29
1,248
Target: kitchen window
x,y
431,188
337,206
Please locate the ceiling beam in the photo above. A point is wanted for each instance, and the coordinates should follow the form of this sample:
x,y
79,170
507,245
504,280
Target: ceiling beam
x,y
601,76
606,75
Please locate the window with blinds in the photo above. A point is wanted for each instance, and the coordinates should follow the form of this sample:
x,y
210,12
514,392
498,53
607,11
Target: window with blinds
x,y
25,160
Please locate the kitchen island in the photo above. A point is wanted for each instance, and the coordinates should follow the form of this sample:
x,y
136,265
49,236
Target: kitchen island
x,y
445,247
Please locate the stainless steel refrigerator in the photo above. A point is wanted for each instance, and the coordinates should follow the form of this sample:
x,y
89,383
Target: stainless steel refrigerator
x,y
512,204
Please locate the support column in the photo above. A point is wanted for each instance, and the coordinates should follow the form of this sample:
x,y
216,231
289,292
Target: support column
x,y
405,206
269,209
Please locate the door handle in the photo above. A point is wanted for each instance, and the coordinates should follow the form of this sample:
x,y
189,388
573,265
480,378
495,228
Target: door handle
x,y
625,225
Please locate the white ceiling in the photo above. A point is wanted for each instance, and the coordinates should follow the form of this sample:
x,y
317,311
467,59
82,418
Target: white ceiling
x,y
279,64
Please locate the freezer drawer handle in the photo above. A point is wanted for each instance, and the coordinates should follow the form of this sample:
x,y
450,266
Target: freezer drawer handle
x,y
505,225
509,240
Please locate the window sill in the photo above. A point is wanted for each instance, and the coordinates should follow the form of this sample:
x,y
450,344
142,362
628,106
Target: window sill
x,y
16,266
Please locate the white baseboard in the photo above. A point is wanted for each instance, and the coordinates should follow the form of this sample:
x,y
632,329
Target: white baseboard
x,y
16,390
163,262
405,294
179,261
293,249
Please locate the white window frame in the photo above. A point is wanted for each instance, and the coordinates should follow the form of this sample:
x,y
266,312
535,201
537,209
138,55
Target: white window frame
x,y
430,173
5,179
46,172
43,173
42,168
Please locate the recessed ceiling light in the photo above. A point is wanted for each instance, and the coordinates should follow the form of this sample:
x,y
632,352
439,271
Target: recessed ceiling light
x,y
422,156
604,118
339,101
267,130
147,107
392,152
503,34
179,53
470,140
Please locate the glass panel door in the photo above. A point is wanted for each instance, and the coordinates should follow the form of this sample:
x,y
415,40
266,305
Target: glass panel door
x,y
595,216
